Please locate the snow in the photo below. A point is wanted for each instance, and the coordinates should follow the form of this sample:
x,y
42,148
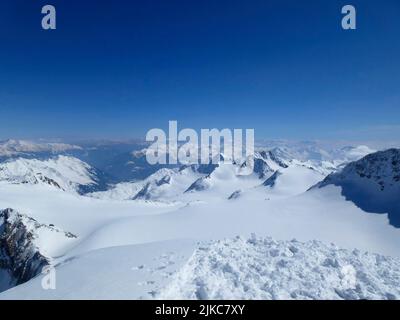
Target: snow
x,y
163,185
262,268
124,272
322,214
292,181
49,240
236,268
372,183
130,243
67,172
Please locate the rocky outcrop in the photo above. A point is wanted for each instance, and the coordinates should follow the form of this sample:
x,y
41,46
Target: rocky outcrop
x,y
271,181
20,257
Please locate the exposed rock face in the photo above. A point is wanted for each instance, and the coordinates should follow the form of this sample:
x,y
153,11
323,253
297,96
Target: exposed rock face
x,y
19,255
144,193
266,163
271,181
235,195
275,157
200,184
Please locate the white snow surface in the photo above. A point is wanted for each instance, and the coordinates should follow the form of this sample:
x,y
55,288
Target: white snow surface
x,y
262,268
236,268
123,272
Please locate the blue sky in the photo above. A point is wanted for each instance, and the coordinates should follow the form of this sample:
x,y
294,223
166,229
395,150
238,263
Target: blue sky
x,y
115,69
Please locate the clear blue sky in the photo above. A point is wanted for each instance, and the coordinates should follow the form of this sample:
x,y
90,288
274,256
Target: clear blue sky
x,y
119,68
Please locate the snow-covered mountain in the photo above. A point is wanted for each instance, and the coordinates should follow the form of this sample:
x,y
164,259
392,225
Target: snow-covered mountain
x,y
132,232
372,183
202,182
315,151
66,173
163,185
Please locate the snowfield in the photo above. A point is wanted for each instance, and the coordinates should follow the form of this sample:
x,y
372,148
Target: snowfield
x,y
123,272
237,268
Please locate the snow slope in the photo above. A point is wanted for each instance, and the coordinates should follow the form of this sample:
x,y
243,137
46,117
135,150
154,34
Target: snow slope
x,y
321,214
77,214
123,272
